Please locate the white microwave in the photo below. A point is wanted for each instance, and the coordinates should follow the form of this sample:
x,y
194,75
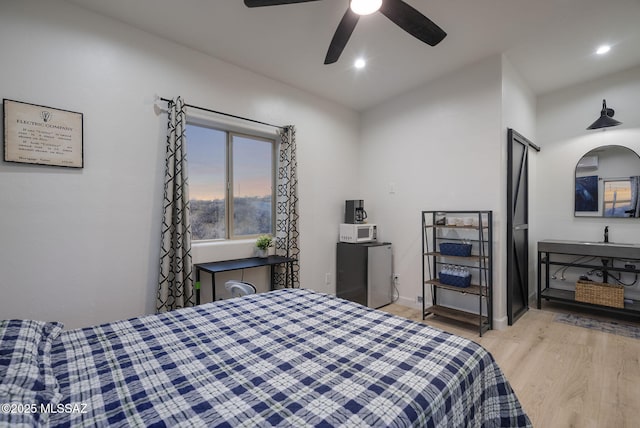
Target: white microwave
x,y
355,233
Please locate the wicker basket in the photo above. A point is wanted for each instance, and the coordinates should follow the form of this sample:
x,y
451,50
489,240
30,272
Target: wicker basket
x,y
600,294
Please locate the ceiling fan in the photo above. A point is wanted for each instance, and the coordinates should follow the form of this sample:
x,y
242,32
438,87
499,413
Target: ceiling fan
x,y
403,15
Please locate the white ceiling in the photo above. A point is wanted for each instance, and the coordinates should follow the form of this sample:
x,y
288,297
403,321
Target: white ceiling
x,y
550,42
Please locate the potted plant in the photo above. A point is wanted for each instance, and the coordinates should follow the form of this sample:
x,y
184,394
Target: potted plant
x,y
262,244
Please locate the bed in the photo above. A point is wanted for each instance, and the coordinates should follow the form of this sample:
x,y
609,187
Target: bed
x,y
289,357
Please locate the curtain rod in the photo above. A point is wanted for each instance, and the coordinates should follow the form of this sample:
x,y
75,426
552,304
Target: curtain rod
x,y
226,114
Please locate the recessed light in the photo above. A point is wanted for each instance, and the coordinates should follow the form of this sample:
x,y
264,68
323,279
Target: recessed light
x,y
359,63
603,49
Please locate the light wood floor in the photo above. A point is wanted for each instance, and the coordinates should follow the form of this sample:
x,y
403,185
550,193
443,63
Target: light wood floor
x,y
564,376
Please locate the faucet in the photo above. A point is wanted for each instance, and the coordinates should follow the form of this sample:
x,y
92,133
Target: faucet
x,y
606,234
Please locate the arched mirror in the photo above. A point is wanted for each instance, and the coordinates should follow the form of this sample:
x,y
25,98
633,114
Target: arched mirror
x,y
608,183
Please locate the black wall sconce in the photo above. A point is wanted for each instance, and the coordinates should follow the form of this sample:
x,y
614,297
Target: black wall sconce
x,y
606,118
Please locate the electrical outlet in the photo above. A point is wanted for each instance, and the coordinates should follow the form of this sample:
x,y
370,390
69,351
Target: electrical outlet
x,y
396,278
419,299
327,278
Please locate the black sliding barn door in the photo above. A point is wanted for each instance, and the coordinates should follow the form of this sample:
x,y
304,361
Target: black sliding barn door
x,y
517,225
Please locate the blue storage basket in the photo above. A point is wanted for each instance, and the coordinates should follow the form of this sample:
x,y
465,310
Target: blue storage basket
x,y
455,280
452,249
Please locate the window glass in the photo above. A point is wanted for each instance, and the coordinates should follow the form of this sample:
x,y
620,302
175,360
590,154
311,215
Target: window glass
x,y
217,157
252,185
617,198
206,159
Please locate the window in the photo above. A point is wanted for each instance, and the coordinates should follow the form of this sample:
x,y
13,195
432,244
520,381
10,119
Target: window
x,y
231,182
617,198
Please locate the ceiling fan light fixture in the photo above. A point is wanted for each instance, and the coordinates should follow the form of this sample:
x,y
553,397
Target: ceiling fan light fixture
x,y
606,118
397,11
365,7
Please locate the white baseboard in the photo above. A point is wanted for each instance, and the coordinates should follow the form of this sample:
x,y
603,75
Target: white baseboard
x,y
500,323
408,302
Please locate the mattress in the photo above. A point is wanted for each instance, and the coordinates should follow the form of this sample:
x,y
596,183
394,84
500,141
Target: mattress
x,y
289,357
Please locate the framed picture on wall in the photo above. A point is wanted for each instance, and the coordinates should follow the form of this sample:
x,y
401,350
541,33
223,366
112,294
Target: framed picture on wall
x,y
42,135
587,193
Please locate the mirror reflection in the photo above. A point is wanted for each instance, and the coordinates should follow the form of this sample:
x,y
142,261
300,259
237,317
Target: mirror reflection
x,y
608,183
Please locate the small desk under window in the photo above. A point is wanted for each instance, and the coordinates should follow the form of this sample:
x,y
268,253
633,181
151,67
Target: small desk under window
x,y
238,264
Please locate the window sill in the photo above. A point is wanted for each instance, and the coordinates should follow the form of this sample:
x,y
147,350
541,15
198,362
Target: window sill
x,y
222,242
228,249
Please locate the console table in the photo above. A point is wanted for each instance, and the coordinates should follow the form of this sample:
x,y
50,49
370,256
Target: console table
x,y
589,256
238,264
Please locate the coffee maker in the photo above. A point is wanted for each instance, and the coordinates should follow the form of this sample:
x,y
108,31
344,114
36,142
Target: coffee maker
x,y
354,212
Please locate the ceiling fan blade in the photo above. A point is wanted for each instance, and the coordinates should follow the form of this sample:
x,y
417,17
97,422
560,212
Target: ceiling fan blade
x,y
412,21
260,3
341,36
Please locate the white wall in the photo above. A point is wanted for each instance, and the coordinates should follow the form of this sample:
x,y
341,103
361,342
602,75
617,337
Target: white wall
x,y
439,147
562,118
518,113
82,246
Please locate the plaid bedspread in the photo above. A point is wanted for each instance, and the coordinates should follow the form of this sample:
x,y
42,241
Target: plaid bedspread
x,y
291,358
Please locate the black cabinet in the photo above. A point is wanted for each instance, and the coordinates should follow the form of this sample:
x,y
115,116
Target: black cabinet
x,y
364,273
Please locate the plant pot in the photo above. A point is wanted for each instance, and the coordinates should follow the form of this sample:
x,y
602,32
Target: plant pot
x,y
261,252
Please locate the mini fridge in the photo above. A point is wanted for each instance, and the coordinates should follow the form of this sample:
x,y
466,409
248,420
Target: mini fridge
x,y
364,273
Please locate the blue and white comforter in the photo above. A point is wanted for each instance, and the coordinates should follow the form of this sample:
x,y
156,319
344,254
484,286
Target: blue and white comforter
x,y
285,358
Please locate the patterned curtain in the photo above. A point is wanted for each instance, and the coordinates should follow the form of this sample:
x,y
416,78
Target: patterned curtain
x,y
635,196
287,215
175,289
